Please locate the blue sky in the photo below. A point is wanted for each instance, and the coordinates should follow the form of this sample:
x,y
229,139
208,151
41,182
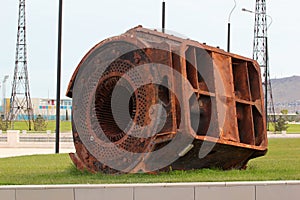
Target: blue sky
x,y
87,22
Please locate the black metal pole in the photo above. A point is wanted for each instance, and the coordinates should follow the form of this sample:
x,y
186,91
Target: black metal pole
x,y
58,76
163,15
228,38
266,83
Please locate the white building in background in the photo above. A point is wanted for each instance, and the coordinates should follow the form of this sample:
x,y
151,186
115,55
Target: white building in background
x,y
46,108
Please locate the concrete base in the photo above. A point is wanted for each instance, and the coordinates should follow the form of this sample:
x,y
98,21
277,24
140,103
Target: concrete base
x,y
160,191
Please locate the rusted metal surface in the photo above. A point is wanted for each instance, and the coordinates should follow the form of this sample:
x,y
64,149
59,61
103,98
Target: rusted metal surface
x,y
221,124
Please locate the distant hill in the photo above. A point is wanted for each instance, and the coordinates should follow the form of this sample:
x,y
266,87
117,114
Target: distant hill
x,y
286,93
286,89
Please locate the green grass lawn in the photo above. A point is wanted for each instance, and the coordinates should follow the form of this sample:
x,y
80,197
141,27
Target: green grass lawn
x,y
292,128
281,163
65,126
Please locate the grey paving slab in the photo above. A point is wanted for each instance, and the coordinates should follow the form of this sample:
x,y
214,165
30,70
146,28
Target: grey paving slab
x,y
225,193
45,194
278,192
7,194
104,194
164,193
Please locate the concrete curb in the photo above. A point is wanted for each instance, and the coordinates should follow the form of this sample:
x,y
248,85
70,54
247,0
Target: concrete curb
x,y
272,135
275,190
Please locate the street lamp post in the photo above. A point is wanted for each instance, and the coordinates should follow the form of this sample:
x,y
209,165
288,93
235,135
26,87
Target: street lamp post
x,y
1,99
60,12
250,11
163,16
3,95
228,29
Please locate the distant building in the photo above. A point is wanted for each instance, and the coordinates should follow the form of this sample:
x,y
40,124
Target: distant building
x,y
292,106
5,108
291,117
45,107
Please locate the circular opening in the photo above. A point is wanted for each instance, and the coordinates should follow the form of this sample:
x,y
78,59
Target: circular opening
x,y
103,104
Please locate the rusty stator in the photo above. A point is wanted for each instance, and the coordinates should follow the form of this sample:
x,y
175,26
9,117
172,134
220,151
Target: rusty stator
x,y
148,101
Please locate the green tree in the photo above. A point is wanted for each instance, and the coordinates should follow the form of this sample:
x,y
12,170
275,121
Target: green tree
x,y
40,124
284,111
281,124
4,124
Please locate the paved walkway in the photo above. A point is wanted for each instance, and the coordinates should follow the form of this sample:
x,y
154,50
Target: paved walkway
x,y
11,152
279,135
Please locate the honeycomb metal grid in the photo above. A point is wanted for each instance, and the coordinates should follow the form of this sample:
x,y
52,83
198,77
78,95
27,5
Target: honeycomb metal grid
x,y
122,140
99,148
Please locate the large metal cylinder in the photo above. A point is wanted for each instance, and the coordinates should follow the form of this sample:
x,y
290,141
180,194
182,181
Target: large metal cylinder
x,y
147,101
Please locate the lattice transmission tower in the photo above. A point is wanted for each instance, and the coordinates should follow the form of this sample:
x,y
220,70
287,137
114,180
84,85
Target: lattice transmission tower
x,y
20,101
260,54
